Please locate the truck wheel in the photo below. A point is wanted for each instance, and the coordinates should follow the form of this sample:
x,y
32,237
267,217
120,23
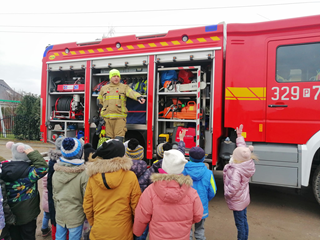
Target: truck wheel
x,y
316,184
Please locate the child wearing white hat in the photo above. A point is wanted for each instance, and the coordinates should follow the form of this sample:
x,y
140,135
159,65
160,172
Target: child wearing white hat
x,y
169,202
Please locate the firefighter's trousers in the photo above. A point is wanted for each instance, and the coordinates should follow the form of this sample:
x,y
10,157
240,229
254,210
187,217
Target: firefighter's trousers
x,y
116,127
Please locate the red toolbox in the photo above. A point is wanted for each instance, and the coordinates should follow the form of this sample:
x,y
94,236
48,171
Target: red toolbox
x,y
189,139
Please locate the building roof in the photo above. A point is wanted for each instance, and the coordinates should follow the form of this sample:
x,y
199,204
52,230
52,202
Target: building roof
x,y
7,94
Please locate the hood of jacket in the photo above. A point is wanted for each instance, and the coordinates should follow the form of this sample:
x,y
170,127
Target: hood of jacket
x,y
54,154
139,167
196,170
66,172
171,187
246,168
12,171
108,173
156,165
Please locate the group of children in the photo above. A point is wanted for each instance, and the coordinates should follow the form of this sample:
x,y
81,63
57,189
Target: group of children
x,y
114,194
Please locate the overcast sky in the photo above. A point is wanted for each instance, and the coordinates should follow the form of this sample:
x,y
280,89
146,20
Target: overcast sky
x,y
27,27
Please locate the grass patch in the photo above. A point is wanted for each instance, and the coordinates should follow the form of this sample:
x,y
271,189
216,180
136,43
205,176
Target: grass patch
x,y
8,137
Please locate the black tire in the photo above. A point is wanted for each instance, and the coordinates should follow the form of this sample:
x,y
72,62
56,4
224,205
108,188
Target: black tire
x,y
316,184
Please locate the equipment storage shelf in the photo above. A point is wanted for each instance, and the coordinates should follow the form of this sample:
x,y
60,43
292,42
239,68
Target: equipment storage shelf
x,y
171,112
182,99
66,97
134,75
67,128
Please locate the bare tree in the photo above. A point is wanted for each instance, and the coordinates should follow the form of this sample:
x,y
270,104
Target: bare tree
x,y
111,32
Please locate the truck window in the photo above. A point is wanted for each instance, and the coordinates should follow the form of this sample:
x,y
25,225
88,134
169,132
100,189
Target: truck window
x,y
298,63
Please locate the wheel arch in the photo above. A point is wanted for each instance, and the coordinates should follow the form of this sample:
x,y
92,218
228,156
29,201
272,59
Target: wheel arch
x,y
309,155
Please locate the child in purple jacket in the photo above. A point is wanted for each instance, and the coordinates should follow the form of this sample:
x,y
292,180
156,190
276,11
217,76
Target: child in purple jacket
x,y
140,168
236,176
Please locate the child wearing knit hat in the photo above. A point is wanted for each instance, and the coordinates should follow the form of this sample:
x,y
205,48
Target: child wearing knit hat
x,y
68,183
112,192
204,183
169,205
140,168
162,147
236,176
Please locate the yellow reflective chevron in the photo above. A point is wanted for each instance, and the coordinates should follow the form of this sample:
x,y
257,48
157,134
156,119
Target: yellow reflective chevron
x,y
112,97
213,184
245,93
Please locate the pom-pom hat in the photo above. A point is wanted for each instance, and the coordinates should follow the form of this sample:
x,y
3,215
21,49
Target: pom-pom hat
x,y
135,154
242,154
196,154
71,148
160,150
17,150
134,150
163,147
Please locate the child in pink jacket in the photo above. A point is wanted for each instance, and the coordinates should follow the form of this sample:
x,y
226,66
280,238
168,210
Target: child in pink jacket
x,y
170,205
236,176
45,229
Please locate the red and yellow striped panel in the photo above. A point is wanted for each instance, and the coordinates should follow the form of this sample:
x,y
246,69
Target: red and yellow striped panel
x,y
139,46
245,93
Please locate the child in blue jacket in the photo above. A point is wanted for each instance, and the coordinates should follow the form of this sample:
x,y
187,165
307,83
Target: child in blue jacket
x,y
203,182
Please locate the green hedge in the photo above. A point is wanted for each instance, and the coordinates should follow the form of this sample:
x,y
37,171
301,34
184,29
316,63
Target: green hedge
x,y
27,121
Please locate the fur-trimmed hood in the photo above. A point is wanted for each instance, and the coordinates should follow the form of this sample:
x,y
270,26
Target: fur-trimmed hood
x,y
54,154
67,173
108,174
100,165
171,187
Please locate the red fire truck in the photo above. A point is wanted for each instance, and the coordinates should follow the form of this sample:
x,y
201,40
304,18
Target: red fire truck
x,y
265,76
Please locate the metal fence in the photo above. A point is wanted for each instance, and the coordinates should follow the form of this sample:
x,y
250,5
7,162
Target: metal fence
x,y
6,126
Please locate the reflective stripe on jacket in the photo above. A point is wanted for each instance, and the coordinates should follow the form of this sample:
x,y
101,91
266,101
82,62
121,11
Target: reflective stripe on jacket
x,y
113,99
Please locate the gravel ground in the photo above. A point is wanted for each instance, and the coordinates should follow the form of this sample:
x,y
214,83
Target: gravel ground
x,y
274,213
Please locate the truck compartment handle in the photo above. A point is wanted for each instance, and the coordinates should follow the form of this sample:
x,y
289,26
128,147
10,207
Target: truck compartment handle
x,y
273,106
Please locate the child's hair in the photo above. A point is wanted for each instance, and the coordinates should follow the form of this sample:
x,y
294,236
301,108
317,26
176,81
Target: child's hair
x,y
88,150
254,157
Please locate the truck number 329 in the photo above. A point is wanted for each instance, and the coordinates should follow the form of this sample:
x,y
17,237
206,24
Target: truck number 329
x,y
293,93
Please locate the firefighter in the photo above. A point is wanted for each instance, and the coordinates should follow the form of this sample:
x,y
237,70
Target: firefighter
x,y
113,98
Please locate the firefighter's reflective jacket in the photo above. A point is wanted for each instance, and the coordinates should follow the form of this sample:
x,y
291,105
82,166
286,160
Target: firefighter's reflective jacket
x,y
113,99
